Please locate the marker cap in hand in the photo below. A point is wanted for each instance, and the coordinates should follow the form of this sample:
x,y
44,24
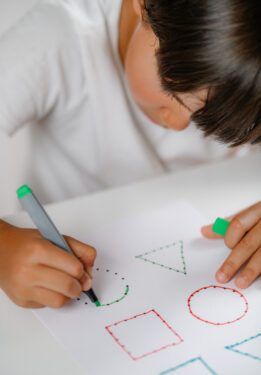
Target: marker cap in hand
x,y
23,191
220,226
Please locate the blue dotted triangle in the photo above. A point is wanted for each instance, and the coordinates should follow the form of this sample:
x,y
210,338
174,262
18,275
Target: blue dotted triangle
x,y
176,368
235,346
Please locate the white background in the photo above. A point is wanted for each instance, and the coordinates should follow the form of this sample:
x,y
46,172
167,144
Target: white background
x,y
15,151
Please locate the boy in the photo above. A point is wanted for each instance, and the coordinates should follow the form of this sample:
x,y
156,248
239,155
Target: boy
x,y
93,76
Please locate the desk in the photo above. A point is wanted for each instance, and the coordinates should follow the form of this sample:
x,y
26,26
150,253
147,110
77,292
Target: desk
x,y
217,189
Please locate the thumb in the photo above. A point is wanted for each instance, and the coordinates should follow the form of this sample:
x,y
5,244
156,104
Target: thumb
x,y
84,252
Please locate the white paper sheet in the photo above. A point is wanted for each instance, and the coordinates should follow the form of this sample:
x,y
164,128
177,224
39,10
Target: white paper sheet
x,y
163,311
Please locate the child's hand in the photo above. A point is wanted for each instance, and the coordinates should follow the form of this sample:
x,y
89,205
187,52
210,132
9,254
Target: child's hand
x,y
243,237
36,273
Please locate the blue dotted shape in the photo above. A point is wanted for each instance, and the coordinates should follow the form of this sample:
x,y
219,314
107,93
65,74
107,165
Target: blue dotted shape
x,y
187,363
232,347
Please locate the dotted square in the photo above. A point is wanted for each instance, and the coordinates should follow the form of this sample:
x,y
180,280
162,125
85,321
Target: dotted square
x,y
143,334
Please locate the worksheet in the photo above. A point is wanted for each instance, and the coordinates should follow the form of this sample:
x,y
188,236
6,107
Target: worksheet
x,y
162,311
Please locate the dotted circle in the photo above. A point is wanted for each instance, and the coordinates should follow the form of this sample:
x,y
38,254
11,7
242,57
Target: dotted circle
x,y
220,287
127,288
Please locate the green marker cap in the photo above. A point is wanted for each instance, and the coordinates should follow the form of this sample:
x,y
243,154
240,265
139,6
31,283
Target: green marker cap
x,y
220,226
23,191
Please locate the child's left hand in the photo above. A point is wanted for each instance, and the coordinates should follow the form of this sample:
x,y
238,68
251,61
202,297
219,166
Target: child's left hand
x,y
243,237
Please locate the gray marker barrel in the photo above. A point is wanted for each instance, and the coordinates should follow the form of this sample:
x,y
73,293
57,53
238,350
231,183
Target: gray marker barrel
x,y
40,218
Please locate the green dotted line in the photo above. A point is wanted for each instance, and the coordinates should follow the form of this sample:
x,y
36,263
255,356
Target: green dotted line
x,y
184,271
118,300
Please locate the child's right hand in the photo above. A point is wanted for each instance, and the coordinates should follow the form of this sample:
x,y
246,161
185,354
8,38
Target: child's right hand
x,y
36,273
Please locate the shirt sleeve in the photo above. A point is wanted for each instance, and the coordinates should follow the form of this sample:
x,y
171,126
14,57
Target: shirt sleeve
x,y
36,57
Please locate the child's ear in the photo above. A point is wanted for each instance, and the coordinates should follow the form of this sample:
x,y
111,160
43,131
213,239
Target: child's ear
x,y
138,6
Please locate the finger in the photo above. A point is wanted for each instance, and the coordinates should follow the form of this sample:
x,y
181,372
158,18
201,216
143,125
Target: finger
x,y
49,298
241,224
45,253
90,272
86,282
33,305
240,254
57,281
250,272
24,303
207,232
29,304
85,253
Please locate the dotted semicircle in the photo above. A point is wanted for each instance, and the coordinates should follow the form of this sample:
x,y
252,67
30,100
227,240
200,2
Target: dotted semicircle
x,y
119,299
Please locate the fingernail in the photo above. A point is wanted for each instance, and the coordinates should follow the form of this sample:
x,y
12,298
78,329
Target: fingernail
x,y
87,283
221,277
242,282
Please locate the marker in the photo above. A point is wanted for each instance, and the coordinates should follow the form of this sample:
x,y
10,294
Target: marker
x,y
45,225
220,226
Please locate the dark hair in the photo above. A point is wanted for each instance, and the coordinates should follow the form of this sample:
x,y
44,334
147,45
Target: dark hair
x,y
214,44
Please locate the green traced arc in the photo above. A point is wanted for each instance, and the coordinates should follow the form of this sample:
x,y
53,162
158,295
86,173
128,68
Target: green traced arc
x,y
119,299
184,271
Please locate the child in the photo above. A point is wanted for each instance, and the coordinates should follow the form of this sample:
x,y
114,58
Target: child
x,y
93,76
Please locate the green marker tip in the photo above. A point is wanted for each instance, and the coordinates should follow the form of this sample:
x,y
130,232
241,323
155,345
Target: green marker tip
x,y
97,303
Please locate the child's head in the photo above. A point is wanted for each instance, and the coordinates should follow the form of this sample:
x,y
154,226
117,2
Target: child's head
x,y
204,65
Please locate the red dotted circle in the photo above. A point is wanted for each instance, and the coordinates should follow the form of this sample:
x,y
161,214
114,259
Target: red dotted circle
x,y
220,287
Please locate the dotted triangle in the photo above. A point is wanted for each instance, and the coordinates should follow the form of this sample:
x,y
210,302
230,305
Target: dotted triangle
x,y
235,347
191,361
175,246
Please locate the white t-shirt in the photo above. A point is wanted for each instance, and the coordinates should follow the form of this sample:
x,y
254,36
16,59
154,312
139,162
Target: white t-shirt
x,y
60,69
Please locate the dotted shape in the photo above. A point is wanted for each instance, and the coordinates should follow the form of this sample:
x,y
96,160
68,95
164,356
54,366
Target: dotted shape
x,y
221,287
127,288
187,363
232,347
119,299
184,271
145,354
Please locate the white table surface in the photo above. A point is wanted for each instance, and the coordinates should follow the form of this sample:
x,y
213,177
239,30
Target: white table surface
x,y
219,189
